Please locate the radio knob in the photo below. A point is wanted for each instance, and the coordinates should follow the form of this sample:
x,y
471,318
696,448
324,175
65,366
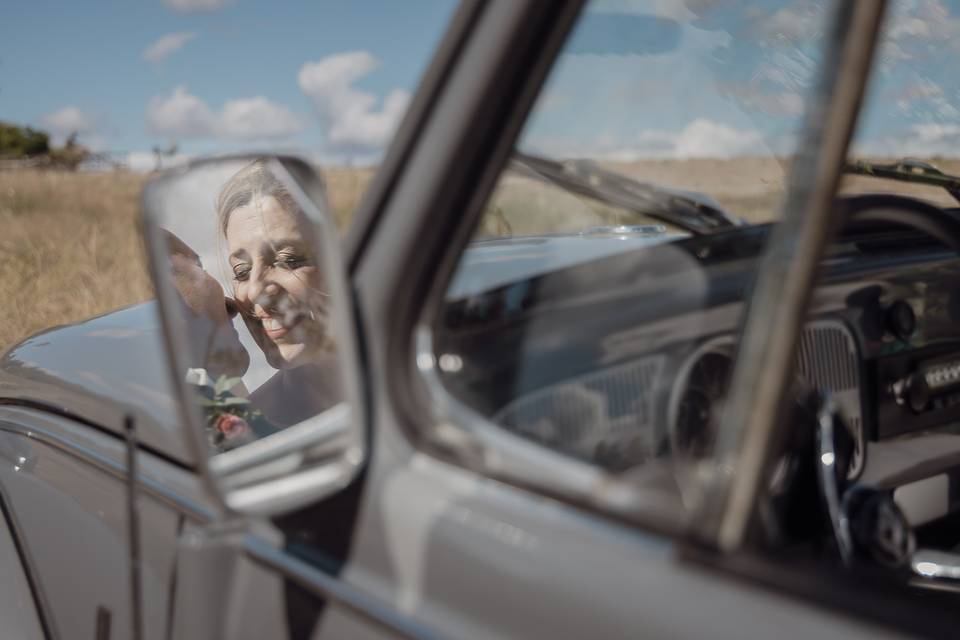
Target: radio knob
x,y
901,320
912,391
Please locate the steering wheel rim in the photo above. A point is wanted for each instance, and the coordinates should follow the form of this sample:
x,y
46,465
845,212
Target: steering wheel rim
x,y
940,224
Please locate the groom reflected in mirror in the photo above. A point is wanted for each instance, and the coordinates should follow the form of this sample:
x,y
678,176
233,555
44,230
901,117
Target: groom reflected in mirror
x,y
216,358
214,343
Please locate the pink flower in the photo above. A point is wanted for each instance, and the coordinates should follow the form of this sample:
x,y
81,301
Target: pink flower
x,y
231,426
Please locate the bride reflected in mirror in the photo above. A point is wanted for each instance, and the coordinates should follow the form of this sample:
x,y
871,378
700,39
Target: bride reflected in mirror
x,y
280,292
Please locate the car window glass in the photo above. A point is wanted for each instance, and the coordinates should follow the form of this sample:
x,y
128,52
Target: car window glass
x,y
910,115
593,312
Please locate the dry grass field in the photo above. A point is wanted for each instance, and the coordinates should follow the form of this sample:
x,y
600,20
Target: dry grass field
x,y
751,188
70,249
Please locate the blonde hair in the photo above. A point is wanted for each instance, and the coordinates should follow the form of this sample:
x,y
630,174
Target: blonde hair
x,y
251,183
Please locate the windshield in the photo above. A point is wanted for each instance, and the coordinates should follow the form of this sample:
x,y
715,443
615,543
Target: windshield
x,y
692,98
911,116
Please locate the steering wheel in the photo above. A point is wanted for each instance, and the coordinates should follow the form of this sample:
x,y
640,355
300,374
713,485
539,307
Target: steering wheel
x,y
940,224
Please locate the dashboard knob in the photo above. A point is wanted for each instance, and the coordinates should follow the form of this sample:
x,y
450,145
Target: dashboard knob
x,y
917,392
901,320
912,391
879,528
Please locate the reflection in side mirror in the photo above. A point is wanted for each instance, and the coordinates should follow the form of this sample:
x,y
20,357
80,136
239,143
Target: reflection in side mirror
x,y
246,263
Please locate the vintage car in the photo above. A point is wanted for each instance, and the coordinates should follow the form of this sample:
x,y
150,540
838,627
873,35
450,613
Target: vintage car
x,y
659,421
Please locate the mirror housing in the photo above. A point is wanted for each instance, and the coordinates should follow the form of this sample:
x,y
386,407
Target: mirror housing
x,y
299,435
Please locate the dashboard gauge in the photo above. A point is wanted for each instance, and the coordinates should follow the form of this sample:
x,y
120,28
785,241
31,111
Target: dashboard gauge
x,y
702,386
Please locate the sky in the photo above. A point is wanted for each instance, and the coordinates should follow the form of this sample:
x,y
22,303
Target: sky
x,y
328,78
728,78
331,79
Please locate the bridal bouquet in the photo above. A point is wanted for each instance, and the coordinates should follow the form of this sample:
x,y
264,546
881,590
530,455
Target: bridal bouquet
x,y
230,419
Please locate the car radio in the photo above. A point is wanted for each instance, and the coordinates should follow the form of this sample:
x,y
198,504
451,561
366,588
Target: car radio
x,y
917,390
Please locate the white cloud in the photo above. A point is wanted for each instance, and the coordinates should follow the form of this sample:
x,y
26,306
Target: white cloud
x,y
801,23
768,100
182,115
891,53
167,45
680,10
143,161
69,120
704,138
351,116
908,27
701,138
257,118
920,140
915,26
921,90
196,6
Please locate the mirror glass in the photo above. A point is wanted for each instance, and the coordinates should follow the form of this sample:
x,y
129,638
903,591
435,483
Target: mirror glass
x,y
247,269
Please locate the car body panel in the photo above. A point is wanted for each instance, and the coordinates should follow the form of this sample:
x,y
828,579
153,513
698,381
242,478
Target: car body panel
x,y
73,520
494,262
17,607
65,483
101,371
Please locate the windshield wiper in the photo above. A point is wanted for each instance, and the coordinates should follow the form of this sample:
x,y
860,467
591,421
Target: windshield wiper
x,y
692,212
908,170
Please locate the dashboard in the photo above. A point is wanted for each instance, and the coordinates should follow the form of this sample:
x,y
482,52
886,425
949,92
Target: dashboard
x,y
626,358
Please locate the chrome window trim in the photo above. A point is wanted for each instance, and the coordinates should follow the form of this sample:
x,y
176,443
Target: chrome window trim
x,y
368,608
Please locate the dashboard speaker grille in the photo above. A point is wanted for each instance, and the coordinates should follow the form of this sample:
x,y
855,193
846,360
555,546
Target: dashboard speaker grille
x,y
827,358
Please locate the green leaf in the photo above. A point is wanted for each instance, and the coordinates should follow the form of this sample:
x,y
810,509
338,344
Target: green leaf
x,y
232,401
225,384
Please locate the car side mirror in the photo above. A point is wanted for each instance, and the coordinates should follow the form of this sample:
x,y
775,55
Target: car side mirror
x,y
246,263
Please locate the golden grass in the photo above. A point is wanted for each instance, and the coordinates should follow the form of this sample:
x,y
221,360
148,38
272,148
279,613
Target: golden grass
x,y
344,189
69,248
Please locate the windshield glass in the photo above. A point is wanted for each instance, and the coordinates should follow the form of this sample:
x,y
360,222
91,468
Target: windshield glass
x,y
694,97
911,112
